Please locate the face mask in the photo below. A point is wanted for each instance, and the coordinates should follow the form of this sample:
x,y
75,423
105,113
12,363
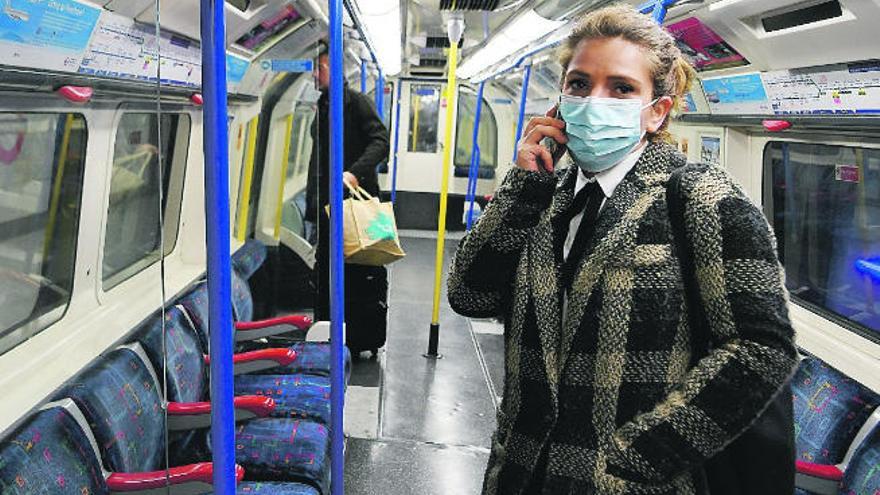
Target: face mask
x,y
601,131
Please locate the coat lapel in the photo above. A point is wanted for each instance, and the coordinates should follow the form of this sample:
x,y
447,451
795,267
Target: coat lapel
x,y
616,226
544,275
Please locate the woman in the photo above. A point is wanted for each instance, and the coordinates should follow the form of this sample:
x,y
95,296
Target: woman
x,y
605,391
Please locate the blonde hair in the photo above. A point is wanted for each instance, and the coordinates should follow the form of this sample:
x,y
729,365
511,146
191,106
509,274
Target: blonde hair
x,y
671,74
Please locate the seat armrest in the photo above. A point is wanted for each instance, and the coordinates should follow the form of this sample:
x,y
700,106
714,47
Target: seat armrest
x,y
189,479
252,330
821,479
263,359
184,416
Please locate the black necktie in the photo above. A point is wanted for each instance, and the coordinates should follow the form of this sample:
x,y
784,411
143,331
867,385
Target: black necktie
x,y
588,200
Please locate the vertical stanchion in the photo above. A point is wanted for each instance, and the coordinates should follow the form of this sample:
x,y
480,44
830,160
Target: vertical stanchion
x,y
216,146
337,276
475,158
380,95
363,76
522,109
456,27
396,142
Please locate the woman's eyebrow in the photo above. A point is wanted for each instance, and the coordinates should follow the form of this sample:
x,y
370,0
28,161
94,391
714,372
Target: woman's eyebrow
x,y
576,73
625,79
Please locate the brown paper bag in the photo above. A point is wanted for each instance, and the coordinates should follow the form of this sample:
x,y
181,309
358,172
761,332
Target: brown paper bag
x,y
370,231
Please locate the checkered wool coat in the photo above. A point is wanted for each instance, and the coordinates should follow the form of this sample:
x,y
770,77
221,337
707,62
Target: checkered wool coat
x,y
613,395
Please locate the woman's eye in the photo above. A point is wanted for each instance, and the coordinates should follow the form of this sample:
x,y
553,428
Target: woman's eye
x,y
624,89
577,84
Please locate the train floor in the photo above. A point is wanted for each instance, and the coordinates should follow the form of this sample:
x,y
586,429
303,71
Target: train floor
x,y
416,425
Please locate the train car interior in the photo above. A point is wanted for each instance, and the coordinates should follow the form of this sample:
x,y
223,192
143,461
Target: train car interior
x,y
123,270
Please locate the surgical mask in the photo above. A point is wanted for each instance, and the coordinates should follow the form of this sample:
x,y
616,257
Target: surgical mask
x,y
601,131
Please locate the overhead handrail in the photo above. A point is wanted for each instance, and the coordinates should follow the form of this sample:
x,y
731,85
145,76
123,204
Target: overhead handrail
x,y
216,146
337,274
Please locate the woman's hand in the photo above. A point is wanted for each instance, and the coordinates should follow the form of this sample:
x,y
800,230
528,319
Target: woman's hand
x,y
350,179
531,154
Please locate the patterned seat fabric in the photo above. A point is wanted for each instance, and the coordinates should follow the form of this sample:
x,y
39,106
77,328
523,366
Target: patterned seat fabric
x,y
186,375
242,299
269,488
284,450
249,258
829,409
196,304
50,453
312,358
862,476
118,397
296,396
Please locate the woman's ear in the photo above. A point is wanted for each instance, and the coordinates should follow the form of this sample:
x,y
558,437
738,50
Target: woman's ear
x,y
657,113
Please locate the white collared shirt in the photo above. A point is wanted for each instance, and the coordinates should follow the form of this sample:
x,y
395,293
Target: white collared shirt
x,y
608,181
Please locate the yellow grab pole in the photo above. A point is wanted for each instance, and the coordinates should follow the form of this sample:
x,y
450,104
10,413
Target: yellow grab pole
x,y
448,145
244,200
284,162
56,187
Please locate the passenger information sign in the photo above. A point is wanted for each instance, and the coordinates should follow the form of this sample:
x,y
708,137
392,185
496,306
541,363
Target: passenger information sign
x,y
45,34
840,88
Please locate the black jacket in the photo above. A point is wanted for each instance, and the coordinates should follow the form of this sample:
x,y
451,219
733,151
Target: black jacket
x,y
366,145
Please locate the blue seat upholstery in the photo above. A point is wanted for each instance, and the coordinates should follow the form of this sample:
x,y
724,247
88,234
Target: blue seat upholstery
x,y
270,488
829,409
312,358
242,299
296,396
49,454
195,302
119,398
249,258
862,476
284,450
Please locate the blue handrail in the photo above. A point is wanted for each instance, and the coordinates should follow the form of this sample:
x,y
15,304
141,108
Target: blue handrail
x,y
216,146
363,76
657,9
380,95
396,142
337,275
475,158
522,109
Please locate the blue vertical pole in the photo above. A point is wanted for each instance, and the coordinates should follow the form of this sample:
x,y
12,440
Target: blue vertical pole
x,y
337,276
396,141
475,157
216,146
380,95
363,76
522,108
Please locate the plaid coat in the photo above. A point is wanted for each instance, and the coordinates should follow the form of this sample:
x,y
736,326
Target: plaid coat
x,y
613,397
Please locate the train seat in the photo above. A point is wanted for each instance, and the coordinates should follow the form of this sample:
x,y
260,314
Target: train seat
x,y
296,396
312,357
274,488
829,409
862,475
249,258
54,451
120,399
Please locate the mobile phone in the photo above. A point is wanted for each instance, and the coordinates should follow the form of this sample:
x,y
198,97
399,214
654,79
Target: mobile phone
x,y
556,149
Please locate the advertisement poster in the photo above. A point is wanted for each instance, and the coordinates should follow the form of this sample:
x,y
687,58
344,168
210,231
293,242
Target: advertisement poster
x,y
45,34
702,47
710,150
236,68
743,94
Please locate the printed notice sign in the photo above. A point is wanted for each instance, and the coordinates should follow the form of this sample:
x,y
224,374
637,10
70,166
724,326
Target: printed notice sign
x,y
743,94
831,89
45,34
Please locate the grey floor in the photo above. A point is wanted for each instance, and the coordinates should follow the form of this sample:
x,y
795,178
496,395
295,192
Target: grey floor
x,y
417,425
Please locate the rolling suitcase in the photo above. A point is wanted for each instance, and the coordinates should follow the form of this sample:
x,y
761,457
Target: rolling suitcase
x,y
366,307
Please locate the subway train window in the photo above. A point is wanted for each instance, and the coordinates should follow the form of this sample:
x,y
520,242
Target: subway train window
x,y
424,105
387,103
487,140
131,241
824,204
300,141
41,174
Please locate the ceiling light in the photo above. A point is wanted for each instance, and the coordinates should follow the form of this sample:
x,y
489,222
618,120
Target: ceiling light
x,y
381,23
525,29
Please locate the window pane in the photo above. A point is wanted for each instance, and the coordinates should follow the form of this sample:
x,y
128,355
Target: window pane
x,y
487,139
387,103
131,242
41,173
824,203
423,108
297,168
